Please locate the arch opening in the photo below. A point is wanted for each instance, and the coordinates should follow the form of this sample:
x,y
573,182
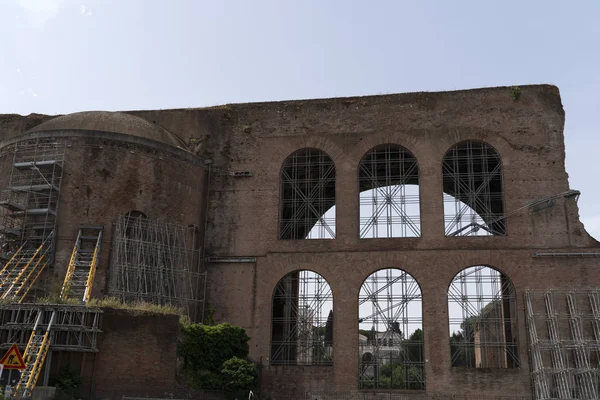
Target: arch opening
x,y
307,192
482,316
391,332
473,190
302,320
388,177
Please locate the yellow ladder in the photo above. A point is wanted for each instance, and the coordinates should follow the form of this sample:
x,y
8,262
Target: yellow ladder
x,y
82,265
34,357
22,271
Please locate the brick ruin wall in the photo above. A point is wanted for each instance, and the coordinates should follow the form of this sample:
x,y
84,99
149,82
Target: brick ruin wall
x,y
136,357
243,215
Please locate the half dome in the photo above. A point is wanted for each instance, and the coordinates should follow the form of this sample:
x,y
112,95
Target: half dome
x,y
106,121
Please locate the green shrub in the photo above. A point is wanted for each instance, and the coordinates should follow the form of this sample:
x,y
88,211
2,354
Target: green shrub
x,y
238,374
214,356
515,93
208,347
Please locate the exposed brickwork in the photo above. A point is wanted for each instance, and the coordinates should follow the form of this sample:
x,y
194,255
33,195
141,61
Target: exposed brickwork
x,y
137,355
243,213
102,182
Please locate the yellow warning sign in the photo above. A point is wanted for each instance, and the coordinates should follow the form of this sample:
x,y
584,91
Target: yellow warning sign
x,y
12,359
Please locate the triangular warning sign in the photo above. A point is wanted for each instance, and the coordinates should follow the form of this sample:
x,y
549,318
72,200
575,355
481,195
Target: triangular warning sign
x,y
12,359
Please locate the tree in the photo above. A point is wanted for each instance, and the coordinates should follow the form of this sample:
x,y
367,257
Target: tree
x,y
329,329
414,346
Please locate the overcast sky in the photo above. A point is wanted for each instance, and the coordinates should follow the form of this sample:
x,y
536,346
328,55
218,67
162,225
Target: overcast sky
x,y
61,56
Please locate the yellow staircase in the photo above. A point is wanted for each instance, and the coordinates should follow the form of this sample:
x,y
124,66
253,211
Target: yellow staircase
x,y
34,358
20,273
77,285
82,265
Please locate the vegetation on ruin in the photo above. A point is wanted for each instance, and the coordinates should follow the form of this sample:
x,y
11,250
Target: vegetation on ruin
x,y
215,357
515,93
138,307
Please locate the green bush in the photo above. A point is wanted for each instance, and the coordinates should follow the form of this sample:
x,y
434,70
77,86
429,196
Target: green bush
x,y
208,347
214,357
238,375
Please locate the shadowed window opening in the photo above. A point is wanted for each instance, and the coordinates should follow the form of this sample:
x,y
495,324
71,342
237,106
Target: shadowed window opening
x,y
481,311
389,193
473,190
390,332
302,321
307,193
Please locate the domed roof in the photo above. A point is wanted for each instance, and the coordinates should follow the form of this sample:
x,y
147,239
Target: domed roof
x,y
105,121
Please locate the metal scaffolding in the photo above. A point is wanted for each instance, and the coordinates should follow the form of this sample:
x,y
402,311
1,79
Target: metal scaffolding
x,y
388,180
157,262
302,320
391,332
307,193
564,343
30,201
75,327
473,190
42,329
482,316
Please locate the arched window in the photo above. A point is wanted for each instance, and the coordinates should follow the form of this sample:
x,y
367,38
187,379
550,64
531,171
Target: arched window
x,y
473,190
481,310
307,194
302,320
388,178
391,331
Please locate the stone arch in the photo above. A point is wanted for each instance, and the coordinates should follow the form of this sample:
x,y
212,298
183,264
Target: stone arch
x,y
391,319
388,180
307,182
473,190
302,320
482,319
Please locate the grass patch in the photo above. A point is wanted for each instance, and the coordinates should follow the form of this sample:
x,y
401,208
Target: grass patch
x,y
140,307
55,300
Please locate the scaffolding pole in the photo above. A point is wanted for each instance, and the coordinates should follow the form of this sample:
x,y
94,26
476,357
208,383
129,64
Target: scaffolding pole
x,y
564,343
157,262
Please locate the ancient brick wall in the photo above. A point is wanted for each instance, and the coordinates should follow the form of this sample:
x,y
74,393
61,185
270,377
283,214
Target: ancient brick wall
x,y
101,182
137,355
243,215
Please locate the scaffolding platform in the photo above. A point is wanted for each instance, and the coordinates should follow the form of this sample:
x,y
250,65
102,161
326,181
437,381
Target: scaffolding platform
x,y
75,327
35,188
29,202
32,165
